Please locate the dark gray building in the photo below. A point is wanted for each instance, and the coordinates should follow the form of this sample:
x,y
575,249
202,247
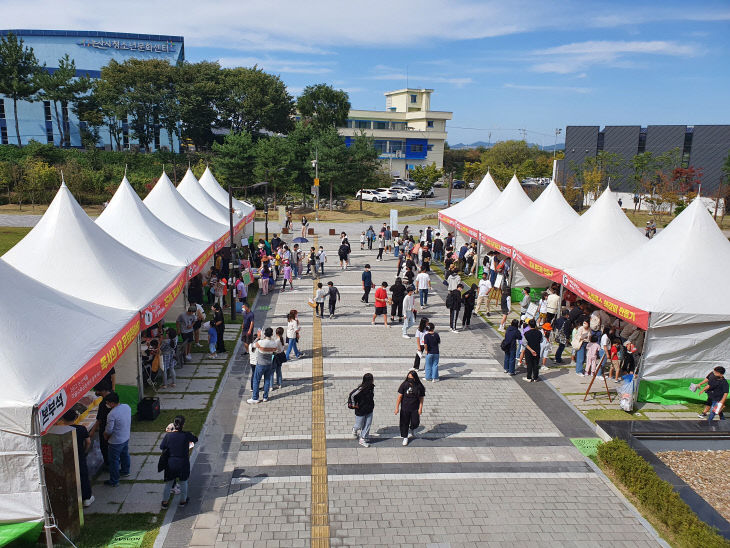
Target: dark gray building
x,y
702,147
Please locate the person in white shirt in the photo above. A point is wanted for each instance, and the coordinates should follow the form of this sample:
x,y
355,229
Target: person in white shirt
x,y
553,306
484,287
321,259
266,347
423,284
409,309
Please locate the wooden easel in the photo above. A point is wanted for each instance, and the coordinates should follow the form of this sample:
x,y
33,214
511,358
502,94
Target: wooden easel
x,y
593,379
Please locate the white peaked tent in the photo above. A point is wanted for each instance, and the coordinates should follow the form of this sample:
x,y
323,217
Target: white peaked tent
x,y
33,371
603,226
68,251
511,203
674,286
190,189
172,209
128,220
482,197
220,195
546,215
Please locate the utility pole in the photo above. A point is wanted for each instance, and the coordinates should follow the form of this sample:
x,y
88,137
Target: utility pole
x,y
451,186
234,260
315,164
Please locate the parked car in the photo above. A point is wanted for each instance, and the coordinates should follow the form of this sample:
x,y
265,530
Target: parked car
x,y
458,183
440,183
369,195
429,194
403,193
389,194
472,184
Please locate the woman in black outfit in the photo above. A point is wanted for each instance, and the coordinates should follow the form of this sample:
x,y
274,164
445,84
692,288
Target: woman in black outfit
x,y
469,298
177,444
399,293
410,403
195,289
220,327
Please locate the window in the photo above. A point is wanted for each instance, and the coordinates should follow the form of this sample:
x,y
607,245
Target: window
x,y
429,123
47,111
395,146
2,109
414,98
400,126
49,134
66,124
429,148
348,123
3,135
416,148
125,135
381,146
642,142
362,124
379,124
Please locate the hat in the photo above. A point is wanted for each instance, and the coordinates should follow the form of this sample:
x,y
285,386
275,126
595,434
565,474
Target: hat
x,y
547,327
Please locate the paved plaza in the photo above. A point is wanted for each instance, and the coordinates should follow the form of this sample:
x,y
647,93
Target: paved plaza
x,y
492,463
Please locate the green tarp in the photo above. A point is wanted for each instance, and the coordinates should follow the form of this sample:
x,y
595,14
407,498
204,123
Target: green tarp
x,y
670,391
20,533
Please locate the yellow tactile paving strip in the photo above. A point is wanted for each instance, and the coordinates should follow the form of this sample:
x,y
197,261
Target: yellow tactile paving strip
x,y
320,526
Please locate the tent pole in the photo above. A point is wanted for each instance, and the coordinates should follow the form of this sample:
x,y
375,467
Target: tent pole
x,y
140,376
479,259
47,512
639,371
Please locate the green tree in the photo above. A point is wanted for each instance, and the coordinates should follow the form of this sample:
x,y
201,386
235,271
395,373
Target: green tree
x,y
61,86
255,101
273,158
425,177
199,94
324,106
299,145
18,70
363,163
235,159
88,109
333,161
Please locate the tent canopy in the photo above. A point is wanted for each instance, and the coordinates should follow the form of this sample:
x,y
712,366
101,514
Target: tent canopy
x,y
190,189
128,220
220,195
483,196
166,203
68,251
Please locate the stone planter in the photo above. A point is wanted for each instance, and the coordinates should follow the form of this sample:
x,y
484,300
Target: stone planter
x,y
332,232
285,230
310,232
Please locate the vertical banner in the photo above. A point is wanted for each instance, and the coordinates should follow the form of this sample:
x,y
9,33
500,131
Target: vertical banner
x,y
393,219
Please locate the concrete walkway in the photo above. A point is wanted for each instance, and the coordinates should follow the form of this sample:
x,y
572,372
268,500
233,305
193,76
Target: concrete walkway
x,y
492,464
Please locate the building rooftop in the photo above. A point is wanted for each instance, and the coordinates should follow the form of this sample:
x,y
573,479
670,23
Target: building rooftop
x,y
92,33
408,90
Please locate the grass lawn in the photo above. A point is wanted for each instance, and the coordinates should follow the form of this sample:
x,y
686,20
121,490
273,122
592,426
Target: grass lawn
x,y
99,529
613,415
352,213
40,209
11,235
640,217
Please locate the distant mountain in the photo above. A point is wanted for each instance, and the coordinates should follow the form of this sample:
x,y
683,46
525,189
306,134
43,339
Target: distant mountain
x,y
477,144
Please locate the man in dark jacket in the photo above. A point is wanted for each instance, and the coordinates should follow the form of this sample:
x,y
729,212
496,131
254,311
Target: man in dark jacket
x,y
438,248
509,346
453,303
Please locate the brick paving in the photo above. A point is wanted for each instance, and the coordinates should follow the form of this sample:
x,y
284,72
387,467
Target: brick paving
x,y
492,464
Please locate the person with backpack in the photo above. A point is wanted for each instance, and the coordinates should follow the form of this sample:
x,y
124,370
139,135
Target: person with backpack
x,y
411,394
175,460
509,346
334,296
343,252
453,303
362,400
469,299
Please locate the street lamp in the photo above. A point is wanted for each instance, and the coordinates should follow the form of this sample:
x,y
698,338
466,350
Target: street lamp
x,y
265,184
558,131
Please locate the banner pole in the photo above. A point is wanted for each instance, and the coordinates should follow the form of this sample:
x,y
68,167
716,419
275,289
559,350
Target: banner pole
x,y
47,512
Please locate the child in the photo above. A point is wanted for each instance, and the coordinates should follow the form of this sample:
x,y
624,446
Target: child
x,y
279,357
287,273
545,345
615,361
592,356
717,389
362,241
212,339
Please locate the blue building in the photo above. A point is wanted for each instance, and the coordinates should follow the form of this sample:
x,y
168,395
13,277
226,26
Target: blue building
x,y
91,51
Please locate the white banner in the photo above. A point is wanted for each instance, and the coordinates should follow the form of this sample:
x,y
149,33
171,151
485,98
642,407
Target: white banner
x,y
393,219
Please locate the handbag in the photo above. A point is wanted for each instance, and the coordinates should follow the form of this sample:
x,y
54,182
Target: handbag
x,y
164,457
416,361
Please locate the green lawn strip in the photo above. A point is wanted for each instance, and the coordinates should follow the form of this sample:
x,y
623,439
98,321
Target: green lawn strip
x,y
594,415
99,529
11,235
655,498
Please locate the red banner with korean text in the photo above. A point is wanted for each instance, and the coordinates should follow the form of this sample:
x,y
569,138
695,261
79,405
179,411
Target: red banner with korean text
x,y
198,264
615,307
504,249
243,222
88,376
446,219
539,268
155,311
221,242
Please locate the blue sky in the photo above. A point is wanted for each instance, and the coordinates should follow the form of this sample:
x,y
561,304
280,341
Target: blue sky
x,y
498,66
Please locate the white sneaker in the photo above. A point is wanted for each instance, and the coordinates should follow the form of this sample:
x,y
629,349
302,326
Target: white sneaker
x,y
410,435
251,400
188,357
354,432
363,443
434,380
88,502
405,336
405,441
526,379
266,399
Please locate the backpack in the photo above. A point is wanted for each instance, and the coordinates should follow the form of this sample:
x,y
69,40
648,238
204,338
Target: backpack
x,y
503,345
351,403
449,300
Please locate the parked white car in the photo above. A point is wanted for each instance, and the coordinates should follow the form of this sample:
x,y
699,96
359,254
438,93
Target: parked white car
x,y
388,193
369,195
403,194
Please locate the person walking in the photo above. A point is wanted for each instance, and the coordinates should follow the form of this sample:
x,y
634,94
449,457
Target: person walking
x,y
423,284
247,318
381,303
117,433
370,236
453,303
321,259
561,329
279,357
220,326
265,347
367,284
438,249
483,293
343,252
334,296
411,394
177,445
431,342
398,293
533,338
305,226
409,309
362,400
292,334
288,276
509,346
468,299
312,262
420,334
381,246
453,279
319,300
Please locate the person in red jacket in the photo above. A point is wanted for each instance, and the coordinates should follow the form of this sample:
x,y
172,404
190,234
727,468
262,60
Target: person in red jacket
x,y
381,303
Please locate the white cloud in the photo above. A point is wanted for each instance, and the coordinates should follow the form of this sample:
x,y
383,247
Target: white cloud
x,y
579,56
561,89
288,66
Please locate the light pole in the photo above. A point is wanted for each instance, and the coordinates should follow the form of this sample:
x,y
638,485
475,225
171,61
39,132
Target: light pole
x,y
234,262
315,165
558,131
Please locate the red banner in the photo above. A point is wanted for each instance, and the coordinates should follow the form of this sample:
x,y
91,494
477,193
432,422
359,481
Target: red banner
x,y
495,244
221,242
197,266
155,311
619,309
446,219
537,267
88,376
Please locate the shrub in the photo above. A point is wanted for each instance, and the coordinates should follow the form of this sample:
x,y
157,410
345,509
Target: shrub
x,y
658,496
